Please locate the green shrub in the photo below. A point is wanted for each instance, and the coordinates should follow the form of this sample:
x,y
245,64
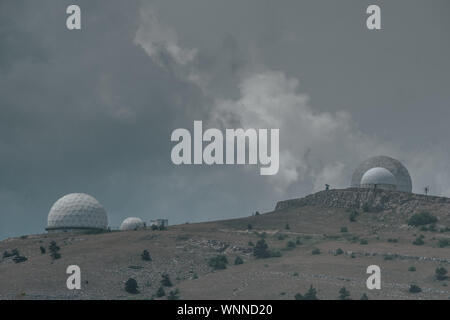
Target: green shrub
x,y
249,226
43,250
414,288
281,236
173,295
366,207
218,262
290,245
311,294
160,293
412,269
261,250
364,242
165,281
315,251
13,253
339,251
287,227
344,229
238,260
391,240
251,244
420,219
131,286
364,297
344,294
298,241
19,259
419,241
442,243
146,256
441,273
353,215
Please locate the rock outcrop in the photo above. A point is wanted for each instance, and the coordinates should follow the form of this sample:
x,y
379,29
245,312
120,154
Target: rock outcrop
x,y
371,200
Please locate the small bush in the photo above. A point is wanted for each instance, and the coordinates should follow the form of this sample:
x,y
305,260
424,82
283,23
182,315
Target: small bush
x,y
366,207
218,263
55,255
249,226
315,251
19,259
165,281
311,294
290,245
173,295
441,273
339,251
287,227
414,288
391,240
420,219
298,241
388,257
412,269
238,260
364,297
43,250
364,242
160,293
261,250
344,294
146,256
131,286
53,247
419,241
13,253
281,236
442,243
251,244
353,215
344,229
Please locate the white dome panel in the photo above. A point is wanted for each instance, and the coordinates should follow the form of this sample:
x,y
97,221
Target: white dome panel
x,y
132,223
379,176
77,210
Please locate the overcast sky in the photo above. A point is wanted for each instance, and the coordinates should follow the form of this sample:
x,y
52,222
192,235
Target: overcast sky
x,y
93,110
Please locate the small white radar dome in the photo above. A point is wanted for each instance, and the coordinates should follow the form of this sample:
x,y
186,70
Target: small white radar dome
x,y
132,223
379,177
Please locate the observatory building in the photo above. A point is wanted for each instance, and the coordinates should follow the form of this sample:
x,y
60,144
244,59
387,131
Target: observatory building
x,y
382,172
132,223
77,212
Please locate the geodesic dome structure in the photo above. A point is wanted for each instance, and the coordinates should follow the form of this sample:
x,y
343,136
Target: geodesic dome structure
x,y
132,223
398,170
77,211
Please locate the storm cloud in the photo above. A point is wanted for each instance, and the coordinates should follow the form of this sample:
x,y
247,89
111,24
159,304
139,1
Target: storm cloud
x,y
92,110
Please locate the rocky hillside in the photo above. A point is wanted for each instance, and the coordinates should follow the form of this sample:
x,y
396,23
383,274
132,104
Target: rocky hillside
x,y
402,203
326,240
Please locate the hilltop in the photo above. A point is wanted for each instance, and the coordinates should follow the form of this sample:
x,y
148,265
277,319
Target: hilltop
x,y
352,229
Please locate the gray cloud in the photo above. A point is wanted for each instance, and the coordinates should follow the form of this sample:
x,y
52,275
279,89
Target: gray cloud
x,y
92,111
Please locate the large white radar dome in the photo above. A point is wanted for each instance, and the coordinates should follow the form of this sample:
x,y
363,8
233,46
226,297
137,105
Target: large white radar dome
x,y
132,223
379,177
77,211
